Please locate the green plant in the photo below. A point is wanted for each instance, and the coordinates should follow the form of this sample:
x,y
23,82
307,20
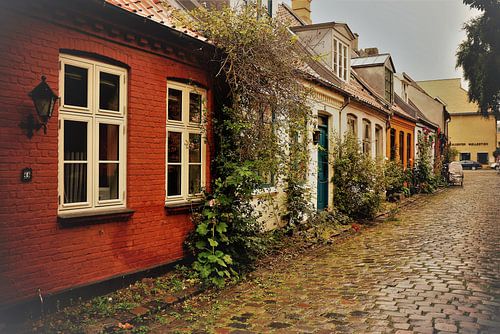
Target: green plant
x,y
263,113
394,178
357,179
423,176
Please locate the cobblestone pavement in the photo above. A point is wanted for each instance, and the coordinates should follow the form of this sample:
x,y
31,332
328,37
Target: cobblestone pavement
x,y
434,270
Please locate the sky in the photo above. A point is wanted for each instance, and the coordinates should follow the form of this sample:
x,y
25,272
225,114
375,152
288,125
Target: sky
x,y
422,36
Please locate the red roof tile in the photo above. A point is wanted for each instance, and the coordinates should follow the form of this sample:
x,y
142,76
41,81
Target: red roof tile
x,y
157,11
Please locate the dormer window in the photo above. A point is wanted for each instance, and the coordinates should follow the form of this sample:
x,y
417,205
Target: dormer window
x,y
331,42
404,91
389,84
341,59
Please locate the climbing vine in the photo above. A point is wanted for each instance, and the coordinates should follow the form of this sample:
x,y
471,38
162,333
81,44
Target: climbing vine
x,y
260,135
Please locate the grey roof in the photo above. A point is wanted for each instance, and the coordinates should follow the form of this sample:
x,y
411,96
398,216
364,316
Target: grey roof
x,y
370,60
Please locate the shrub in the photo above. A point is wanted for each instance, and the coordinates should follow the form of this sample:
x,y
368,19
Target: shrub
x,y
424,178
357,179
227,237
394,178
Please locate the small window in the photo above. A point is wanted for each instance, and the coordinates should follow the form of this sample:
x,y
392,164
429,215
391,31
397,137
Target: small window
x,y
367,137
174,158
352,124
465,156
401,147
194,107
378,141
76,85
392,144
194,163
174,104
109,91
185,143
408,150
109,161
340,59
482,158
75,162
389,79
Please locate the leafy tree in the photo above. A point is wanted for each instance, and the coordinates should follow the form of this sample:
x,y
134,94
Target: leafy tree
x,y
479,55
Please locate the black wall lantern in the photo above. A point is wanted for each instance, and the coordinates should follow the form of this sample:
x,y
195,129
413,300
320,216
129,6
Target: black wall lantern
x,y
44,100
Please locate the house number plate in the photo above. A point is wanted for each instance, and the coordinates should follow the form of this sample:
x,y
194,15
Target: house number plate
x,y
26,174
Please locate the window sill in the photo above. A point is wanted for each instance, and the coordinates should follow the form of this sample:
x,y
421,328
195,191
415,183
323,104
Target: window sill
x,y
69,219
183,207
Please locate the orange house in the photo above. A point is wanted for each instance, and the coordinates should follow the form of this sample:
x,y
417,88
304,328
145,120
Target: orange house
x,y
400,137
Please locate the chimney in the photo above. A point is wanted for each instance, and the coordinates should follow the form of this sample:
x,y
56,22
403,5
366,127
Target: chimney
x,y
355,42
303,10
371,51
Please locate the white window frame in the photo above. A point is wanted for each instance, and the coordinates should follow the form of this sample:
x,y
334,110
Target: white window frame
x,y
354,119
367,142
185,127
388,85
341,60
93,116
379,141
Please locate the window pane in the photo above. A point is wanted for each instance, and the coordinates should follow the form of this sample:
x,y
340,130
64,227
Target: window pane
x,y
108,181
482,158
108,142
75,183
174,104
335,56
75,86
75,140
195,107
194,147
194,179
174,147
109,91
174,181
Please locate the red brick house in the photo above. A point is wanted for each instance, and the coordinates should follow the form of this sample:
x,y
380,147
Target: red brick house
x,y
124,157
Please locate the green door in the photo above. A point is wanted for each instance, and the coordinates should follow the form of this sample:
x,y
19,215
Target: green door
x,y
323,164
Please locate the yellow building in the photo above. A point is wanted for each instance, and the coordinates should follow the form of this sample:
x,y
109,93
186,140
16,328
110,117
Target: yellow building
x,y
473,135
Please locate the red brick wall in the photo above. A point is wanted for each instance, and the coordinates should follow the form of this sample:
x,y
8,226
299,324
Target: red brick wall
x,y
35,252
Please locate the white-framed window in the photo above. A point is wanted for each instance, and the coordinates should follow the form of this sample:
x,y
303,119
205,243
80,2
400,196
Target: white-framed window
x,y
92,135
367,137
185,146
379,141
352,124
389,85
341,63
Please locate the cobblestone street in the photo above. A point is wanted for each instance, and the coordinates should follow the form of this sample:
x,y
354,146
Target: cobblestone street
x,y
436,269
